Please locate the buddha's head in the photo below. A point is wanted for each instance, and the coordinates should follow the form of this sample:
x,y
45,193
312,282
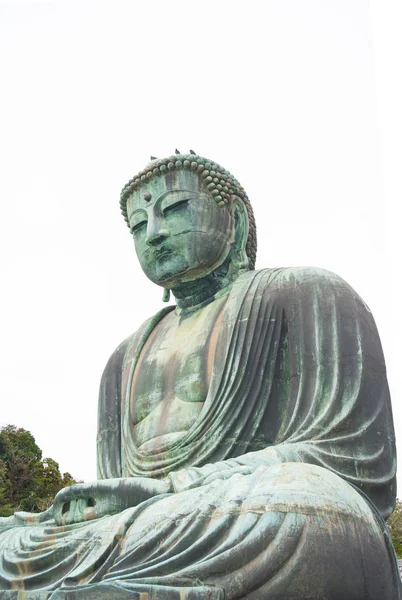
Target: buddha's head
x,y
189,217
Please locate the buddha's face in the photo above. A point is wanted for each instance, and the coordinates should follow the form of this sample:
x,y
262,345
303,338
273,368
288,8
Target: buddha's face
x,y
180,233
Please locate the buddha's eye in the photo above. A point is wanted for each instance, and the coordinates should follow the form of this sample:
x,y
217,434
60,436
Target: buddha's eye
x,y
135,228
176,205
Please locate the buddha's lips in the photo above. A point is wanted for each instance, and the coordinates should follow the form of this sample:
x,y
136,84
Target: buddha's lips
x,y
161,255
157,253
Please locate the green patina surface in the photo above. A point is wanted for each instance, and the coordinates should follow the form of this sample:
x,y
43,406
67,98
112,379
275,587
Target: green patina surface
x,y
245,437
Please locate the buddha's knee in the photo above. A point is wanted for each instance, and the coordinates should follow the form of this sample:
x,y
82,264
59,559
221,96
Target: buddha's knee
x,y
307,489
342,546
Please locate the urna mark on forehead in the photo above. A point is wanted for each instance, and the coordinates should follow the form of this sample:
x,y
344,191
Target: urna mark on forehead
x,y
162,186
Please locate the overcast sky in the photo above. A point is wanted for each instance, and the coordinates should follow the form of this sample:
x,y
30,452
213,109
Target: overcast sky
x,y
299,99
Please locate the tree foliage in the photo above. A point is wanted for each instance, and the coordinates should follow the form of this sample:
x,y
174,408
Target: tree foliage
x,y
395,528
27,481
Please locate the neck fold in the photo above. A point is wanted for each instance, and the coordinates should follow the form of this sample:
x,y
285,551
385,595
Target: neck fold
x,y
192,295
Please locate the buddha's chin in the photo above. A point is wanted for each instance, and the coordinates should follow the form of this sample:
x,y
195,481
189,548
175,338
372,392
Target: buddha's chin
x,y
169,273
174,280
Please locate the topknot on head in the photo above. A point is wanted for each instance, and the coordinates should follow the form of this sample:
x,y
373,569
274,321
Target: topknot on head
x,y
217,181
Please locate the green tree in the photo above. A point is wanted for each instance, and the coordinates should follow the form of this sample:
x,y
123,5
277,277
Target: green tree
x,y
27,481
395,528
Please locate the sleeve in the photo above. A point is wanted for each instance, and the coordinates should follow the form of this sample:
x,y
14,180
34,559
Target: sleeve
x,y
109,417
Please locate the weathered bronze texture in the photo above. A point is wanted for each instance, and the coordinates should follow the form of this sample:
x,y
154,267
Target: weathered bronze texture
x,y
245,439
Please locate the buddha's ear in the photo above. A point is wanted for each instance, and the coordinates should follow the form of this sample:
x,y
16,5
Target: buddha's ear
x,y
241,226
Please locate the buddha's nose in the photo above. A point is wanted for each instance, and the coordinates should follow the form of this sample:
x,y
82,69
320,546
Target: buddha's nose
x,y
156,233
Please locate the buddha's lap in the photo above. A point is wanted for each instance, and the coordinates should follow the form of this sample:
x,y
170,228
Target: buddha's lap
x,y
285,495
286,518
277,491
284,488
278,518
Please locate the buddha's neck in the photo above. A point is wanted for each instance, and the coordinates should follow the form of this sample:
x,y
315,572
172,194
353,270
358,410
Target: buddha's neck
x,y
192,295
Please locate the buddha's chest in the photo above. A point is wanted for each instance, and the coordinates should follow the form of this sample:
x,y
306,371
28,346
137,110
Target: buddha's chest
x,y
172,375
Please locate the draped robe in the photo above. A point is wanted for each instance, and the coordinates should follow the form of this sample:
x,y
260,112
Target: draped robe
x,y
281,486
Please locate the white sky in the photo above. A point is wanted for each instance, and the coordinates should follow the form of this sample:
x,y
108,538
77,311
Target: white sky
x,y
299,99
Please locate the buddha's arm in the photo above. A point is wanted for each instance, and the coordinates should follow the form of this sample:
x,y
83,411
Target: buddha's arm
x,y
87,501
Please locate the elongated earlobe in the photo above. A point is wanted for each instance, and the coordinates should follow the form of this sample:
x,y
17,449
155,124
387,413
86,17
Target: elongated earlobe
x,y
166,295
239,257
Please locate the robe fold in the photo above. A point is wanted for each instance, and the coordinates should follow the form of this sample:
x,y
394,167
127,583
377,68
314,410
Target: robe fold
x,y
281,484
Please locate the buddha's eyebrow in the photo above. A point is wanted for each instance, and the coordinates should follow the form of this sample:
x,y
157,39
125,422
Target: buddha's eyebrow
x,y
158,200
136,211
178,191
143,205
137,204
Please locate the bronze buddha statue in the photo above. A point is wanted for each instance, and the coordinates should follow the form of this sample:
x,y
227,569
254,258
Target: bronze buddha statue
x,y
245,437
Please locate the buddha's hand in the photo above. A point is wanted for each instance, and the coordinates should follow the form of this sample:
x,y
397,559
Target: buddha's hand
x,y
86,501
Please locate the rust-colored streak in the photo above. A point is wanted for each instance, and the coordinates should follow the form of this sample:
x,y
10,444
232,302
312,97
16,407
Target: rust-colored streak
x,y
213,343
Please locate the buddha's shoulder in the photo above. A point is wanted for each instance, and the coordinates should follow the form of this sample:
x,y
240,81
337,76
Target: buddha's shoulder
x,y
297,278
129,348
